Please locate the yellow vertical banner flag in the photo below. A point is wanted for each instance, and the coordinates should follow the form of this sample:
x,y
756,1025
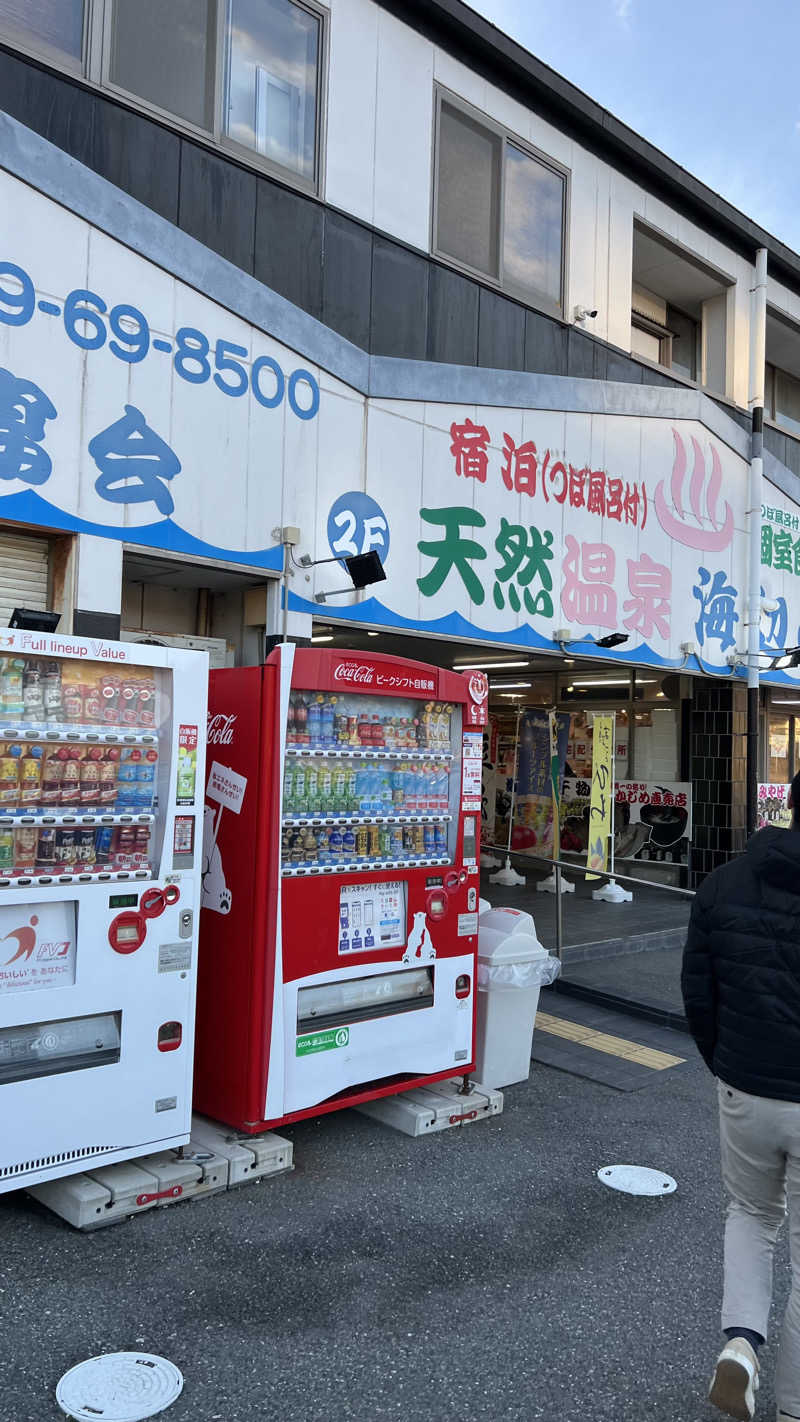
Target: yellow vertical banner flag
x,y
602,802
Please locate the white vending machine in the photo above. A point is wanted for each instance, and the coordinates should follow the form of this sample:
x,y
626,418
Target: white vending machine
x,y
102,774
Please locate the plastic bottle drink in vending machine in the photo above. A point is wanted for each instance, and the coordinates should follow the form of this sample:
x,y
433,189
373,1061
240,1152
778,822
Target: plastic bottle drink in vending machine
x,y
311,807
6,852
11,704
328,722
325,789
323,851
9,781
335,846
440,839
429,841
53,708
33,691
300,790
315,721
301,721
348,846
339,793
288,788
30,779
385,842
397,843
309,847
408,842
364,728
398,787
291,730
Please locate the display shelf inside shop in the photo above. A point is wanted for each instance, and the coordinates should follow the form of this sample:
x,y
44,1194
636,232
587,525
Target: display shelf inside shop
x,y
358,866
81,819
370,752
292,821
88,876
96,735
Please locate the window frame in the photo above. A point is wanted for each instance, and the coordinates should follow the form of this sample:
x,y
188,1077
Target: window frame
x,y
771,372
537,301
94,68
666,336
58,59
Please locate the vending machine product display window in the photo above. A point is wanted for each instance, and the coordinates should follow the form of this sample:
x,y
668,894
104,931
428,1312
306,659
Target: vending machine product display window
x,y
101,774
342,807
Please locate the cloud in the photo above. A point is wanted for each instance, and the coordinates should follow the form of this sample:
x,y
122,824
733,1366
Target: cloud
x,y
622,9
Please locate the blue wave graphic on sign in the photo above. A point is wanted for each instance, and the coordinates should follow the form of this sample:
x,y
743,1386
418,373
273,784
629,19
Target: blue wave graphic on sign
x,y
455,626
165,534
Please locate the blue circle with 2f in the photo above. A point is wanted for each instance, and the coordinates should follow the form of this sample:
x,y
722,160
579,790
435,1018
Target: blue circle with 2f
x,y
357,524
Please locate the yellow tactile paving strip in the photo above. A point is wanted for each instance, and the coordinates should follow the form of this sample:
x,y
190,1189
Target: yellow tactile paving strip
x,y
602,1042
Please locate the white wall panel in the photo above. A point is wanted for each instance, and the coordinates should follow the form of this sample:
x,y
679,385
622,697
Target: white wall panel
x,y
403,150
352,82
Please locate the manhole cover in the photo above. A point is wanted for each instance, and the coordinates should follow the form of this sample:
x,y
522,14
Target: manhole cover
x,y
637,1180
119,1387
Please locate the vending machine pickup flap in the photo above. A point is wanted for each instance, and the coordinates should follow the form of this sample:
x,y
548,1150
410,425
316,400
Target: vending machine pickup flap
x,y
355,999
50,1048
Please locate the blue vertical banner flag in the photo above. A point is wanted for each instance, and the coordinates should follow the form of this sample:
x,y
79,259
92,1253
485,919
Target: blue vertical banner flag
x,y
540,775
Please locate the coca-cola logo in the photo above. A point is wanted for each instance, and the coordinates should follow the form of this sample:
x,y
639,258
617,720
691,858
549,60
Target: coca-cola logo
x,y
353,671
479,687
220,729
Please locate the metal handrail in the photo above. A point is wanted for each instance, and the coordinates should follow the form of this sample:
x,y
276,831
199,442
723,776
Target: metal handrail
x,y
560,864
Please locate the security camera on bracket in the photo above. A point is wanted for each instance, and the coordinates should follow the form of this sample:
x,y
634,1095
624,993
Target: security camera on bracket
x,y
583,313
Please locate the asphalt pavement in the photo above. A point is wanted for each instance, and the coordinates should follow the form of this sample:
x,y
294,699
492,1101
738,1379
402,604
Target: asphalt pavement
x,y
483,1273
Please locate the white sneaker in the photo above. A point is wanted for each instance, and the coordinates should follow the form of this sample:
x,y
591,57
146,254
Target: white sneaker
x,y
735,1380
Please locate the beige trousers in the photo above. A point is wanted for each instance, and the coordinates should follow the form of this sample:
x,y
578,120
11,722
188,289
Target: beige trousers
x,y
760,1141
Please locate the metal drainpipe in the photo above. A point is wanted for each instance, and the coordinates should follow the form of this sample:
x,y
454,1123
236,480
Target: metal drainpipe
x,y
758,326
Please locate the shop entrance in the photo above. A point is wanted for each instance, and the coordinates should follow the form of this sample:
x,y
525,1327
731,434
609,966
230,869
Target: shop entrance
x,y
637,944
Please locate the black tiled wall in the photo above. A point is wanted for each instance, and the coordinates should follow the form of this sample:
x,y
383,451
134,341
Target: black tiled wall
x,y
718,769
378,293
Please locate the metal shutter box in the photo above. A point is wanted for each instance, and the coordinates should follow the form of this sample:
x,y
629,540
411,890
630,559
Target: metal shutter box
x,y
24,567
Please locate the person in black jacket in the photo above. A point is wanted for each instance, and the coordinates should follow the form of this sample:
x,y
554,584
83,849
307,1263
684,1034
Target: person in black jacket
x,y
741,991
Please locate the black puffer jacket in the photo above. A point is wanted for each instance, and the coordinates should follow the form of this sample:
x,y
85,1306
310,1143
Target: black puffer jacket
x,y
741,968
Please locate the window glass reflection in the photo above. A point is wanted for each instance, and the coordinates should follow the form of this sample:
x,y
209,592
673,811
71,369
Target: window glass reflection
x,y
271,88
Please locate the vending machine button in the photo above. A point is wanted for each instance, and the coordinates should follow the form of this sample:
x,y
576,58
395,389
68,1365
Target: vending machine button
x,y
463,985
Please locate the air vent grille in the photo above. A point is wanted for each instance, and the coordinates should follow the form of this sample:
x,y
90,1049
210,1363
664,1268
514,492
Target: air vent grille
x,y
64,1157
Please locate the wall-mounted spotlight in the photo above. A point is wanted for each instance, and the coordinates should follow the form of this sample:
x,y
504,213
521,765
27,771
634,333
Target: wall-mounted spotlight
x,y
614,639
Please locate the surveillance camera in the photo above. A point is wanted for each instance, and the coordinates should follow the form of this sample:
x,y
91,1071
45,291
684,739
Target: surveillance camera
x,y
583,313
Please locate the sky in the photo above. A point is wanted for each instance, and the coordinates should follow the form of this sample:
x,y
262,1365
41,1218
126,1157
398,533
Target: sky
x,y
712,83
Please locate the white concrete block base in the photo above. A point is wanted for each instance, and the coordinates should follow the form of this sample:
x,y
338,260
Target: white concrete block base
x,y
214,1160
438,1107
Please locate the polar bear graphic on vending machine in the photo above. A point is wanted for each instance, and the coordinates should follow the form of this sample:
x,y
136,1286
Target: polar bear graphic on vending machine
x,y
420,944
215,894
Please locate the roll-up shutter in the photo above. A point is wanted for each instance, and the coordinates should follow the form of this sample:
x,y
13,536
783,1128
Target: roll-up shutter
x,y
24,566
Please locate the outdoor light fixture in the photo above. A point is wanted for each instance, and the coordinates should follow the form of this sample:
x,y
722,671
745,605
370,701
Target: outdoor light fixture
x,y
487,666
614,639
28,619
328,637
506,685
364,569
789,657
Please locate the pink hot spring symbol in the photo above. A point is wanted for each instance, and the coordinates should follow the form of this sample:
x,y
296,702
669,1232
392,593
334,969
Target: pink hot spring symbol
x,y
709,528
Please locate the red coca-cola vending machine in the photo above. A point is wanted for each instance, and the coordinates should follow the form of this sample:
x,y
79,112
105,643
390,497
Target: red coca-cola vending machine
x,y
340,883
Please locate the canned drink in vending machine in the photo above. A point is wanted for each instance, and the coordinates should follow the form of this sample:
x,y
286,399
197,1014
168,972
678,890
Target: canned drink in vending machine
x,y
397,842
440,839
419,841
429,840
361,842
46,850
66,850
25,846
408,842
373,842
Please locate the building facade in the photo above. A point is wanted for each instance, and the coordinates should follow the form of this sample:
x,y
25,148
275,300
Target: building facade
x,y
287,282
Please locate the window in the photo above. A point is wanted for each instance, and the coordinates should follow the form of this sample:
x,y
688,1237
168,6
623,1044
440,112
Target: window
x,y
244,73
54,28
679,310
498,208
671,341
165,55
272,80
782,398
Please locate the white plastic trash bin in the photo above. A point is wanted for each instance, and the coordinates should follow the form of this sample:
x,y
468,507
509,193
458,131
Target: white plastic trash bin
x,y
512,966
